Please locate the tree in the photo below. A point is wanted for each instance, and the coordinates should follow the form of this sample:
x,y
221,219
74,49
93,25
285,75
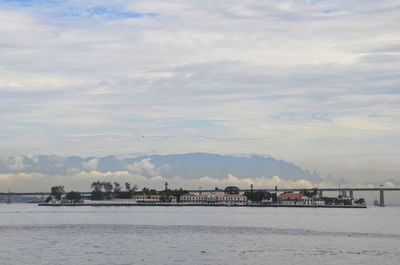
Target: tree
x,y
178,193
147,191
108,188
274,197
165,198
312,193
57,191
231,190
96,186
133,189
117,189
127,193
73,196
97,194
258,196
360,201
127,186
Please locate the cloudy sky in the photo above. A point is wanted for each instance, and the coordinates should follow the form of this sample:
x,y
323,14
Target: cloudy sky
x,y
316,83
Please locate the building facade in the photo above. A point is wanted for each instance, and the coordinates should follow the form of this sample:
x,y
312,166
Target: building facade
x,y
298,199
154,199
214,199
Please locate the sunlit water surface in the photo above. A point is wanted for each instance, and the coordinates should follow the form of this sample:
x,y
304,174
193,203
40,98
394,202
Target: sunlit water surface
x,y
30,234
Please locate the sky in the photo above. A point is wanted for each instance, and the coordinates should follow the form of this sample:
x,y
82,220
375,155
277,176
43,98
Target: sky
x,y
315,83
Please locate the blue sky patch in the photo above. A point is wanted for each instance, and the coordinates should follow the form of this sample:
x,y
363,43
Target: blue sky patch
x,y
66,9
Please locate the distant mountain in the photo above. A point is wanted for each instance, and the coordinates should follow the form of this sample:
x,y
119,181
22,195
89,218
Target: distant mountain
x,y
195,165
187,166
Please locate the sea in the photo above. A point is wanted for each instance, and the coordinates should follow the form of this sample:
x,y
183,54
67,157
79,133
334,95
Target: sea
x,y
32,234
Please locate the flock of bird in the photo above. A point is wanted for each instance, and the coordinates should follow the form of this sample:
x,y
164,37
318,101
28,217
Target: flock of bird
x,y
199,138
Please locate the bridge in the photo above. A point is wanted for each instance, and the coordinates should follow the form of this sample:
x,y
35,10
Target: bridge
x,y
343,191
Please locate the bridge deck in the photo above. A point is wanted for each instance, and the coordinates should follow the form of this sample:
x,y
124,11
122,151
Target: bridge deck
x,y
243,190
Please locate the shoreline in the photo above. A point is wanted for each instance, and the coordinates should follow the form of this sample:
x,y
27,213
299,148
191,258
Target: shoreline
x,y
199,205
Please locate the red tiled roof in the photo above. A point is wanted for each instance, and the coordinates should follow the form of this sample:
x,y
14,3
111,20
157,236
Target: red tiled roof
x,y
235,195
216,194
148,196
290,196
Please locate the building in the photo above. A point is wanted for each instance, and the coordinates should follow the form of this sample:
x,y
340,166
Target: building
x,y
154,198
267,202
214,199
298,199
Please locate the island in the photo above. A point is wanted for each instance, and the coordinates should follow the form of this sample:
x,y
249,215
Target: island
x,y
112,194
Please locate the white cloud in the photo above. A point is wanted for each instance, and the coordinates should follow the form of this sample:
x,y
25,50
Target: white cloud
x,y
389,184
11,177
81,181
143,167
243,183
91,164
16,163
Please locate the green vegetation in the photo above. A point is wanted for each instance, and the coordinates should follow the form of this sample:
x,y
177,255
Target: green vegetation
x,y
312,193
165,194
336,201
258,196
108,191
127,193
231,190
56,193
73,196
359,201
146,191
97,194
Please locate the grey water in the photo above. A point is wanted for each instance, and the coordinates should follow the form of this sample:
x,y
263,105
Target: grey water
x,y
30,234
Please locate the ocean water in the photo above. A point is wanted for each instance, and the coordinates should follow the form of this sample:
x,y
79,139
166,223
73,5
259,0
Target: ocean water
x,y
30,234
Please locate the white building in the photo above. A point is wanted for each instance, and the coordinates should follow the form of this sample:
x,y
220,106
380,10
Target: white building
x,y
214,199
154,199
298,199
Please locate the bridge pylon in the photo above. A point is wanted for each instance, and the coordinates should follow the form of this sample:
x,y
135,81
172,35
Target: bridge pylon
x,y
9,197
381,199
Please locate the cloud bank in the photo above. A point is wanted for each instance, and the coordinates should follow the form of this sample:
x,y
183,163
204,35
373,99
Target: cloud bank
x,y
39,173
319,80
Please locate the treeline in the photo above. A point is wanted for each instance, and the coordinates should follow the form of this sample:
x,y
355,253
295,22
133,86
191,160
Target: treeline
x,y
57,192
109,191
103,190
106,190
255,196
259,195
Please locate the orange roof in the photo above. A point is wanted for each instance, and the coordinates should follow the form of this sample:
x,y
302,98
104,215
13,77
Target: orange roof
x,y
290,196
235,195
148,196
217,195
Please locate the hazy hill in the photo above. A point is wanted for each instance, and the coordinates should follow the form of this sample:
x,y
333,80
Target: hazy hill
x,y
189,166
